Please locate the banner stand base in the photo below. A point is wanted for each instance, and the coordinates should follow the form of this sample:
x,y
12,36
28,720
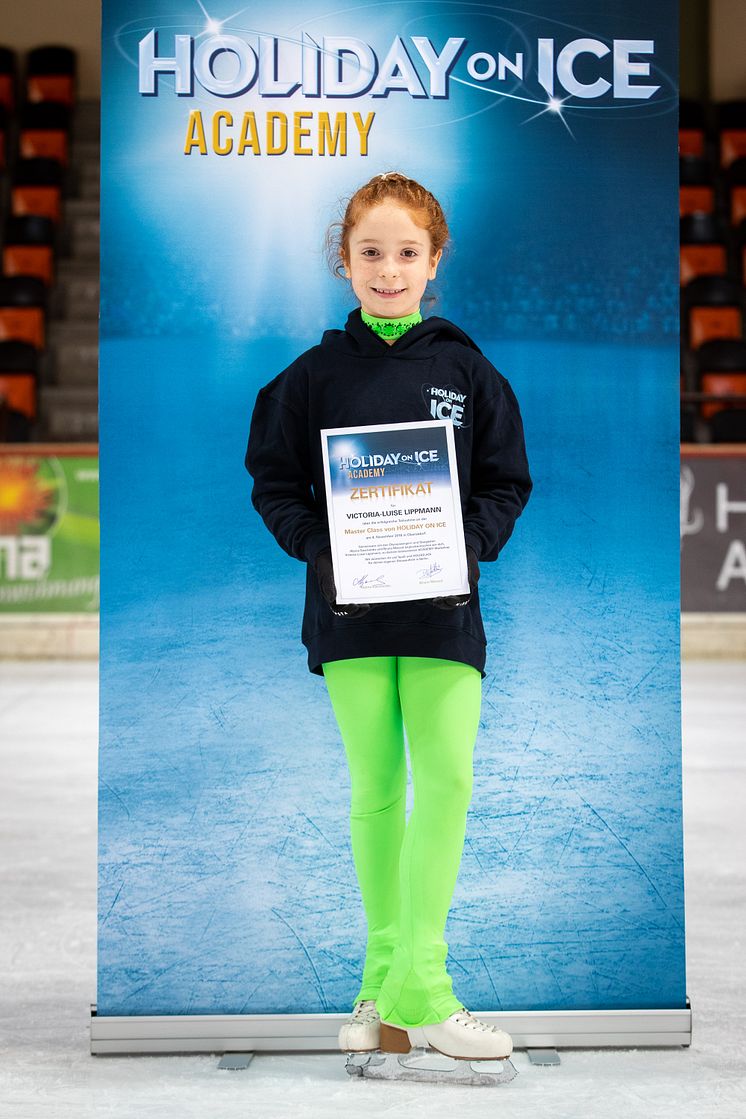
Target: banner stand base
x,y
543,1056
235,1061
238,1034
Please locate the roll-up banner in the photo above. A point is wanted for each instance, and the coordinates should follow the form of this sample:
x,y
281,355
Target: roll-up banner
x,y
230,139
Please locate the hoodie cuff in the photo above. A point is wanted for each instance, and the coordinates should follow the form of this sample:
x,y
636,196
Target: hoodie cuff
x,y
474,542
315,543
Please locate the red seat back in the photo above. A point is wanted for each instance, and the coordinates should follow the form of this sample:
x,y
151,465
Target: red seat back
x,y
724,383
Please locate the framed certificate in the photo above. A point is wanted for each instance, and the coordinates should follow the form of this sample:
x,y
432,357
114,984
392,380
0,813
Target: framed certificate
x,y
394,507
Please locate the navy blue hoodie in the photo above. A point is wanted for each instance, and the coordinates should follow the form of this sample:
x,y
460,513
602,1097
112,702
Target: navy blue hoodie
x,y
353,377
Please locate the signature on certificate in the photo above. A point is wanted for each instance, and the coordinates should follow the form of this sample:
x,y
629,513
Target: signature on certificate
x,y
433,569
366,581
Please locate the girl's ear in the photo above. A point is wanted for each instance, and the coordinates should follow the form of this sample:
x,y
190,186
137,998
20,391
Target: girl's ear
x,y
345,264
434,261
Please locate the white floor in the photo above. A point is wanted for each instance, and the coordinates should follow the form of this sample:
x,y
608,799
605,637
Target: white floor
x,y
48,717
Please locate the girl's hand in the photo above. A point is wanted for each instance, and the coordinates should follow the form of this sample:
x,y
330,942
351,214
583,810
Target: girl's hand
x,y
325,574
451,601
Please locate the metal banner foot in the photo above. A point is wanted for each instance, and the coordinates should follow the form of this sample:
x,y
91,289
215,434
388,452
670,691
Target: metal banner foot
x,y
543,1056
236,1060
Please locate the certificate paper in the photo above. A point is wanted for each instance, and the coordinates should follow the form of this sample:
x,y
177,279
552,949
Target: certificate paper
x,y
394,508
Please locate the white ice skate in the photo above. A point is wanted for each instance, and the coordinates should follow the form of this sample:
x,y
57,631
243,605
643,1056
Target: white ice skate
x,y
362,1032
440,1052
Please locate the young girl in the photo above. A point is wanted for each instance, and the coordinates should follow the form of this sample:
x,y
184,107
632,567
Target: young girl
x,y
413,666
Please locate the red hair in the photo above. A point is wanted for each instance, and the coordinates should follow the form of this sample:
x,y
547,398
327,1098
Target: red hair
x,y
391,186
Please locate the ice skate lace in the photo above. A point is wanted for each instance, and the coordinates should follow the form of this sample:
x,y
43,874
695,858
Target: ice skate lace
x,y
365,1011
465,1018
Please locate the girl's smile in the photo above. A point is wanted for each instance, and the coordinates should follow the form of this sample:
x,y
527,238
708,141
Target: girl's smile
x,y
390,261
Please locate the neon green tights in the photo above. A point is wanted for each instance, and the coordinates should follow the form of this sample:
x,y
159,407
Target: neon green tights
x,y
407,869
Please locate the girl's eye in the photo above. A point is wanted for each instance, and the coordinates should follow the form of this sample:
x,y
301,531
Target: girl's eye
x,y
409,253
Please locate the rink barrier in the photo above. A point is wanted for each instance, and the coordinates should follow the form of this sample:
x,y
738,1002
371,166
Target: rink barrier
x,y
76,636
49,636
715,636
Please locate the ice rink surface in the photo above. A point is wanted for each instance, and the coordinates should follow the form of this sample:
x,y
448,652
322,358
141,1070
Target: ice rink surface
x,y
48,797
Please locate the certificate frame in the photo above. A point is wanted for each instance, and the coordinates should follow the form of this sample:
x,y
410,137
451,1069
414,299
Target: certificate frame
x,y
414,570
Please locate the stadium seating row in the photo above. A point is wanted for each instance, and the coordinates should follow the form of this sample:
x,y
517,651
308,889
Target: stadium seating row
x,y
712,210
37,100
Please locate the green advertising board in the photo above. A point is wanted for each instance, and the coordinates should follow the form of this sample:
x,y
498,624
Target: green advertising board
x,y
49,531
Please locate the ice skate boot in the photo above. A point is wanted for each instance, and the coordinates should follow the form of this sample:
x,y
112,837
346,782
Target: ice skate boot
x,y
440,1052
362,1032
461,1036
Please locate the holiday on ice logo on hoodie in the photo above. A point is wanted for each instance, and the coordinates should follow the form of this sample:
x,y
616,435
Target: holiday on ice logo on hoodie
x,y
445,402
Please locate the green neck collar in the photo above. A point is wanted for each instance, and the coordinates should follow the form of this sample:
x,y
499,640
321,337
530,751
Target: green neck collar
x,y
390,328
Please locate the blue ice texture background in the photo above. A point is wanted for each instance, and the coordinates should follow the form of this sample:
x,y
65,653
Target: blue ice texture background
x,y
226,880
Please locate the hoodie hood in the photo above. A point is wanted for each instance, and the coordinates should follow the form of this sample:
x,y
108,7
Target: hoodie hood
x,y
421,340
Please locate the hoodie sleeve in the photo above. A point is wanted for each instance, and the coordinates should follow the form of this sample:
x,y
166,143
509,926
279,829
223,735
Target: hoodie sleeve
x,y
278,459
500,482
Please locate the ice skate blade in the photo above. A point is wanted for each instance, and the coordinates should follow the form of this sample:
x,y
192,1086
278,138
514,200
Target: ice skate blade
x,y
429,1066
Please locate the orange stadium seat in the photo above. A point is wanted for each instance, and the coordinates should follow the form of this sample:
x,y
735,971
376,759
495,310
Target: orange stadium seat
x,y
22,310
3,137
44,131
739,238
712,307
731,123
735,178
732,145
50,75
703,247
29,247
722,383
7,78
696,187
37,188
721,365
18,376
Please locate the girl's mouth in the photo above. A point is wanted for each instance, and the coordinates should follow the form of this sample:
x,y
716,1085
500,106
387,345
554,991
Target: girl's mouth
x,y
387,293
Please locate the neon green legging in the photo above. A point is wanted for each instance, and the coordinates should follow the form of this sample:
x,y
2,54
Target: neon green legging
x,y
407,871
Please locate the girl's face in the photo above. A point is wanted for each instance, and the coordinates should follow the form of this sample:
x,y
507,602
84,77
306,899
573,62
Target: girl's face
x,y
390,261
